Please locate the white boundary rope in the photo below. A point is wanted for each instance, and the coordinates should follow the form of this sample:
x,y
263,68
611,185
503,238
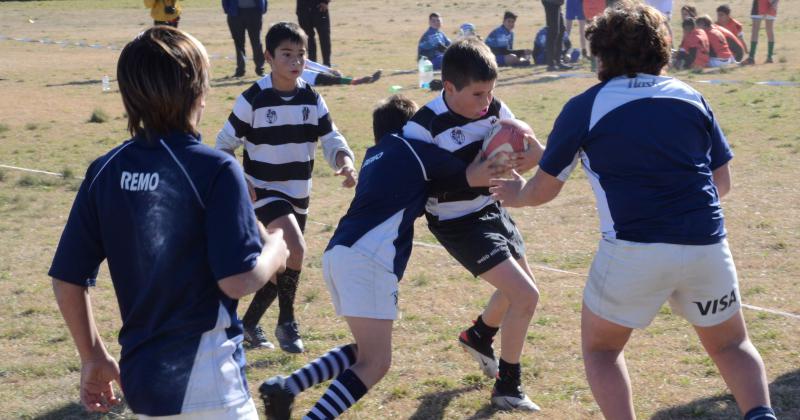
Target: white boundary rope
x,y
439,247
32,170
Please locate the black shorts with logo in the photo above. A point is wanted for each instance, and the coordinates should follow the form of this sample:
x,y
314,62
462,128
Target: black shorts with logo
x,y
267,213
481,240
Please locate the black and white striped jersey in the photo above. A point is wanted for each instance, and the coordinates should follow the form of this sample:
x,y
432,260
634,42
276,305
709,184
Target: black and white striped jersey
x,y
280,136
436,123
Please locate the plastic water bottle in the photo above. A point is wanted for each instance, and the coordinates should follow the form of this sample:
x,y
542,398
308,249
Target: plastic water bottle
x,y
425,72
106,84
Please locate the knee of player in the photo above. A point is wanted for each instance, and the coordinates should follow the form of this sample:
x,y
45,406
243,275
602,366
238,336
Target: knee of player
x,y
526,299
378,364
297,249
733,345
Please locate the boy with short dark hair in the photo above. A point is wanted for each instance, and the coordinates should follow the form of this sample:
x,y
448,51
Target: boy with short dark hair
x,y
501,41
366,257
725,20
173,219
474,229
279,121
433,42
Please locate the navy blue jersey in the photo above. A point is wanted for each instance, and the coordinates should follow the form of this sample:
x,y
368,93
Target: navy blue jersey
x,y
648,145
171,217
396,177
500,40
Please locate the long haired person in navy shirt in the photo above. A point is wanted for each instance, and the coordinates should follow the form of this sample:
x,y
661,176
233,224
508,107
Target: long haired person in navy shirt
x,y
173,219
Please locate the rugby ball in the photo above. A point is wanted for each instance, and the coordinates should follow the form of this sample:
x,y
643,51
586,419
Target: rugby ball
x,y
507,136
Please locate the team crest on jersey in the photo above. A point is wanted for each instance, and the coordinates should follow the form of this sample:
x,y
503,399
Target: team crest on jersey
x,y
305,113
272,116
492,120
458,136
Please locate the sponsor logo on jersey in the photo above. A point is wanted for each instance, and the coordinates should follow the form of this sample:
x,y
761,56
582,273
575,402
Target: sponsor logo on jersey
x,y
458,136
396,300
716,305
372,159
305,113
640,83
139,181
272,116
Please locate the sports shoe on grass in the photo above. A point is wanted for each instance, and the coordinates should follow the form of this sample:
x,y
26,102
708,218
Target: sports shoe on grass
x,y
482,353
769,60
368,79
512,400
289,337
748,62
278,401
256,338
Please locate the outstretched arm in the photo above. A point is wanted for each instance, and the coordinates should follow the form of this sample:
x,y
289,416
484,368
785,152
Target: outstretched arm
x,y
346,169
515,192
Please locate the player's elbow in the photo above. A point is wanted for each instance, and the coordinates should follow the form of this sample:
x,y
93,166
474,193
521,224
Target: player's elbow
x,y
723,189
232,289
238,285
722,180
66,292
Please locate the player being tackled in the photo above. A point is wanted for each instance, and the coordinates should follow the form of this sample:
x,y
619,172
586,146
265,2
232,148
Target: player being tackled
x,y
477,231
366,257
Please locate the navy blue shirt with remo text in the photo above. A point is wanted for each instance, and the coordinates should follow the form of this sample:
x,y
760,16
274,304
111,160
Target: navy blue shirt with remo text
x,y
171,217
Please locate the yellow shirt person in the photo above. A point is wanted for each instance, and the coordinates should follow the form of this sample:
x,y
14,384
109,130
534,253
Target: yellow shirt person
x,y
164,12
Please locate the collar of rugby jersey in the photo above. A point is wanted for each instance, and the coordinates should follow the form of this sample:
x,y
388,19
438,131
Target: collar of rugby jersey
x,y
151,138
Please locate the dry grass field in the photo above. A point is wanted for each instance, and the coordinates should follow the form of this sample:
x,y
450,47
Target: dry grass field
x,y
49,91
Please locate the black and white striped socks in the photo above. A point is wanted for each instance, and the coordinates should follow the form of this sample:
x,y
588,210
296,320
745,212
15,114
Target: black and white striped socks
x,y
326,367
345,391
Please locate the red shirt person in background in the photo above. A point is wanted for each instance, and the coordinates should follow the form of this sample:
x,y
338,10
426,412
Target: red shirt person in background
x,y
694,51
725,20
719,51
735,44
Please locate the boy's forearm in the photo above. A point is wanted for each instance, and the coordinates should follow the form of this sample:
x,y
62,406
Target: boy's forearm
x,y
333,145
227,143
267,265
343,159
540,189
76,308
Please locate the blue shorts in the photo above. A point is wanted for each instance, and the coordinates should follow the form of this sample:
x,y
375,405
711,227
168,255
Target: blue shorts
x,y
437,61
574,10
501,59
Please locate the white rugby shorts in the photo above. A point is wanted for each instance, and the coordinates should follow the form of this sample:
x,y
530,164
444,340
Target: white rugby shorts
x,y
629,281
359,285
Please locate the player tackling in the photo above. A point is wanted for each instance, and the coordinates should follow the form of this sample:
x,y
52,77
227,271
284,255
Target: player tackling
x,y
658,197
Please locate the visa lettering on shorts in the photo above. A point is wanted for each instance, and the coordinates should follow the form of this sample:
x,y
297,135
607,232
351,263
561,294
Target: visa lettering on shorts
x,y
716,305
